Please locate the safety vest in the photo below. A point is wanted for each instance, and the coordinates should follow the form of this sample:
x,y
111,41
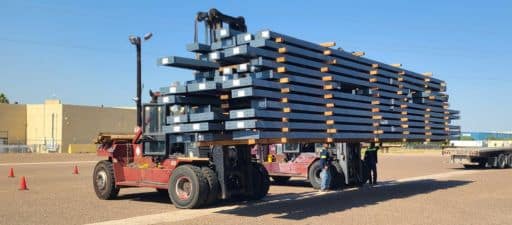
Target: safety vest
x,y
371,149
324,154
324,157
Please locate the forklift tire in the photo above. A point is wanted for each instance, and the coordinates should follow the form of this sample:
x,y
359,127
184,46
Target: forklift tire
x,y
337,176
104,180
314,174
502,161
213,184
261,182
188,188
281,179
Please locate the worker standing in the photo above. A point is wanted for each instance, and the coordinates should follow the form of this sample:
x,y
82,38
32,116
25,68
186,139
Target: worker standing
x,y
370,159
324,174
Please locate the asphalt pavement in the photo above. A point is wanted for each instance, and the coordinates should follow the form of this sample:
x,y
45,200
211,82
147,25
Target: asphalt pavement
x,y
414,189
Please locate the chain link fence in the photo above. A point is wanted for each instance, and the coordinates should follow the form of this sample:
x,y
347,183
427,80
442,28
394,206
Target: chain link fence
x,y
35,148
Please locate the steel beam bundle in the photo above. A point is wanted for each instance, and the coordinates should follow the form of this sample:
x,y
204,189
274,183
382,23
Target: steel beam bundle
x,y
268,86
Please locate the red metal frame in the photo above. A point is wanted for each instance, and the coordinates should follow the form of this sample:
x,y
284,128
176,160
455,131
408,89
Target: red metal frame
x,y
298,167
133,169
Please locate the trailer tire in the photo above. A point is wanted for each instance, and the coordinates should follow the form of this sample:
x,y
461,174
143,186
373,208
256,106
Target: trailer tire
x,y
188,188
314,174
509,161
502,161
281,179
261,181
213,184
104,180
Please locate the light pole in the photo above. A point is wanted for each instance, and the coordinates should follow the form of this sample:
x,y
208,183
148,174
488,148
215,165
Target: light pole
x,y
136,40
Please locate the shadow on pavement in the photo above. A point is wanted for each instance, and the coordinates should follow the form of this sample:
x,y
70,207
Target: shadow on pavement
x,y
145,197
299,206
294,183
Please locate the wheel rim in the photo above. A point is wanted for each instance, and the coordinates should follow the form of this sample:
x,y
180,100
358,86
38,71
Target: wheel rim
x,y
101,180
183,188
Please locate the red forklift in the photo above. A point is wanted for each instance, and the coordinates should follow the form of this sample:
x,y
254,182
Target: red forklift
x,y
199,173
301,160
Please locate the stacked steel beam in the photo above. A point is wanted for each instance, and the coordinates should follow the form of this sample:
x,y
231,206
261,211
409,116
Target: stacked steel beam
x,y
273,87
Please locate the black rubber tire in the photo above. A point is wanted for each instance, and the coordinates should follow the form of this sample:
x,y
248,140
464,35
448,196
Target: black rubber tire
x,y
108,190
337,176
213,184
163,192
509,161
199,187
314,174
281,179
261,182
502,161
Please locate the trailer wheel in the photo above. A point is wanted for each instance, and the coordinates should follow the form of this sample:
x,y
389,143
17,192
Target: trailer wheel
x,y
281,179
502,161
104,181
261,182
314,174
213,184
509,161
188,188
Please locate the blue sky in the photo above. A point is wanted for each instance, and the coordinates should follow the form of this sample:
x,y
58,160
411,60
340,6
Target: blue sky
x,y
78,51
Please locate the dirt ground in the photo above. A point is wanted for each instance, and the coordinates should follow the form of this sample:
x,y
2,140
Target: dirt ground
x,y
414,189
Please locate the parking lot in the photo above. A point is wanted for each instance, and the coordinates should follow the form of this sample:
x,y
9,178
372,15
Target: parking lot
x,y
415,189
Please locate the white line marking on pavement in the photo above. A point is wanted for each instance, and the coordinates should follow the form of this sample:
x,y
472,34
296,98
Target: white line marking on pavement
x,y
167,217
46,163
180,215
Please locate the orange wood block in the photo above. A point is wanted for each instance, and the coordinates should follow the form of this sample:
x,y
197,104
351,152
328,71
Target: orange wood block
x,y
327,78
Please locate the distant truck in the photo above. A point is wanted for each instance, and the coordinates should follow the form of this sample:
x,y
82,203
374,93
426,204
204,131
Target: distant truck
x,y
480,157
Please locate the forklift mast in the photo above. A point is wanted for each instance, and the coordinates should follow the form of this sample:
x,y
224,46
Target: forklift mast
x,y
213,20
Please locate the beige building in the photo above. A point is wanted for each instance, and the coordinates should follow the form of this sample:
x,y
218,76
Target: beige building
x,y
53,126
13,124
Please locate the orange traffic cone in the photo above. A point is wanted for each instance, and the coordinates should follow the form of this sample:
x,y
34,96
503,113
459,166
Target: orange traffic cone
x,y
23,184
75,170
11,172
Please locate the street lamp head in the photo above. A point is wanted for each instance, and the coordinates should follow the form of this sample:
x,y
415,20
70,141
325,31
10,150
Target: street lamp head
x,y
148,36
134,40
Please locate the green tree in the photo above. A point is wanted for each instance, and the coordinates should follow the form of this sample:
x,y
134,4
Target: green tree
x,y
3,99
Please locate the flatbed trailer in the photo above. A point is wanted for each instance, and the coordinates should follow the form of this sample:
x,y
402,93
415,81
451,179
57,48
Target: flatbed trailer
x,y
480,157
